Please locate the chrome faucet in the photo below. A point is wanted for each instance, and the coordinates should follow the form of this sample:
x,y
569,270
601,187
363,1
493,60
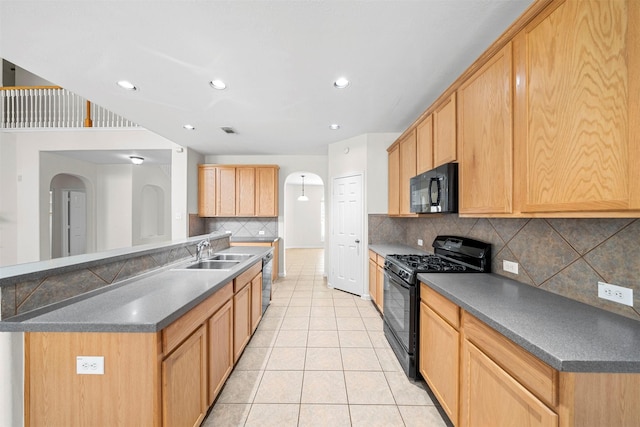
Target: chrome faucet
x,y
200,246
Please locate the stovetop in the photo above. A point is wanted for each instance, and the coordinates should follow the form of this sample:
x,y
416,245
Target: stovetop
x,y
427,263
452,255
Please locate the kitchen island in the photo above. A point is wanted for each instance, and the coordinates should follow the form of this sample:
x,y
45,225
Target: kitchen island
x,y
153,350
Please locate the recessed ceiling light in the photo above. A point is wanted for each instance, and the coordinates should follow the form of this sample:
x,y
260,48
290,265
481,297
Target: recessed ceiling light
x,y
189,127
127,85
341,83
335,126
218,84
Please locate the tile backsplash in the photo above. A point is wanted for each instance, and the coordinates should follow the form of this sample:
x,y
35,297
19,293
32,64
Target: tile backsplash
x,y
564,256
243,227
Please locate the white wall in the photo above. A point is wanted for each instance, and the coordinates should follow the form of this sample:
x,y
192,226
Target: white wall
x,y
157,216
303,219
8,200
26,190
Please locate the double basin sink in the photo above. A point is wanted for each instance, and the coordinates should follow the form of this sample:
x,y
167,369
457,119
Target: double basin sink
x,y
221,261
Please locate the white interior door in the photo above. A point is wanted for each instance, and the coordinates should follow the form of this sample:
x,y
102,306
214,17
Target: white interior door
x,y
75,223
347,253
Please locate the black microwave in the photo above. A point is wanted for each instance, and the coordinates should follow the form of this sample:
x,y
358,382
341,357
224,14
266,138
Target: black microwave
x,y
435,191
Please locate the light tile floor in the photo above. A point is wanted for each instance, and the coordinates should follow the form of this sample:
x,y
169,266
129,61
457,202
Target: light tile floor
x,y
320,358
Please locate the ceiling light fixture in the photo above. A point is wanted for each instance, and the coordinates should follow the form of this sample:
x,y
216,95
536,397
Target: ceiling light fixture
x,y
335,126
302,197
218,84
136,160
127,85
189,127
341,83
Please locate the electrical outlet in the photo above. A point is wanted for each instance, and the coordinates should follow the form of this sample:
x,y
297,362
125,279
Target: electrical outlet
x,y
261,233
90,365
615,293
420,242
510,266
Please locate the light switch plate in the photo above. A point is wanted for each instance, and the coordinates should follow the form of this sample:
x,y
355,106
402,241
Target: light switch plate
x,y
420,242
90,365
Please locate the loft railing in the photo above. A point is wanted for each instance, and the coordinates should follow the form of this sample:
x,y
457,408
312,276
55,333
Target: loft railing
x,y
33,107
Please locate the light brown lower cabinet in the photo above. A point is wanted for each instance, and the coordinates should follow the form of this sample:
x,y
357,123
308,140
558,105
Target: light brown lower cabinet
x,y
184,382
481,378
440,368
256,301
220,349
492,397
376,279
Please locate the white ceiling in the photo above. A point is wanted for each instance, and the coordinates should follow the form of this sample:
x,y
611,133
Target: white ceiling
x,y
279,59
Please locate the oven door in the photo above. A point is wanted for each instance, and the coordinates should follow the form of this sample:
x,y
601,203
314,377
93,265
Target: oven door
x,y
400,313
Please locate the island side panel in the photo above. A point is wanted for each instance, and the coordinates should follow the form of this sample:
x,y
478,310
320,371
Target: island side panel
x,y
128,393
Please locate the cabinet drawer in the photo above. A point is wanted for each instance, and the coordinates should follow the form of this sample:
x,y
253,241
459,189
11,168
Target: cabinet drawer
x,y
372,256
380,260
179,330
441,305
242,280
538,377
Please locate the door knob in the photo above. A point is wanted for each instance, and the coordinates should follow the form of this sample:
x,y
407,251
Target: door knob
x,y
357,240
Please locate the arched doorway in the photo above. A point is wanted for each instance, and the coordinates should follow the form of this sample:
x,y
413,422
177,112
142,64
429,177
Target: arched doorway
x,y
67,216
304,220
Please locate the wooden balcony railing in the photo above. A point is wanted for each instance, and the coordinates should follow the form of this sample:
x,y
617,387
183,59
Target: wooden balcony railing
x,y
24,107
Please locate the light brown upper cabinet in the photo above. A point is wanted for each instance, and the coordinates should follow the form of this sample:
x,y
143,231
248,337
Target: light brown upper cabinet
x,y
445,141
206,190
246,191
394,180
238,190
485,138
577,71
424,145
407,170
267,191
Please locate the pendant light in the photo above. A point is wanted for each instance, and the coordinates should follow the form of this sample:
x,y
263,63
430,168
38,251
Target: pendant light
x,y
302,197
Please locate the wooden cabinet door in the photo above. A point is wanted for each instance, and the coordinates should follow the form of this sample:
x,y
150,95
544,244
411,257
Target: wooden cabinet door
x,y
576,108
206,190
245,191
226,191
445,143
380,288
394,181
276,260
373,274
491,397
439,359
220,349
241,320
266,191
424,145
184,383
407,171
256,302
485,138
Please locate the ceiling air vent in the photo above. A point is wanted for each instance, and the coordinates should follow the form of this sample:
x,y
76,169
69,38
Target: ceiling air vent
x,y
228,129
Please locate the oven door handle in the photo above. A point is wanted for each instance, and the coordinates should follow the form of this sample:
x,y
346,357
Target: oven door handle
x,y
396,281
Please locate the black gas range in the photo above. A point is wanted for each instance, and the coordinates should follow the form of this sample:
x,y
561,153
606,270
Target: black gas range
x,y
451,255
402,295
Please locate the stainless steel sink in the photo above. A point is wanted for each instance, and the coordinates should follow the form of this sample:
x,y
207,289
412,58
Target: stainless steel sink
x,y
230,257
210,264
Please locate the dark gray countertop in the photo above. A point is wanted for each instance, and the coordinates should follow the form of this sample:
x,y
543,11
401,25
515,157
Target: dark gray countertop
x,y
566,334
146,303
266,239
